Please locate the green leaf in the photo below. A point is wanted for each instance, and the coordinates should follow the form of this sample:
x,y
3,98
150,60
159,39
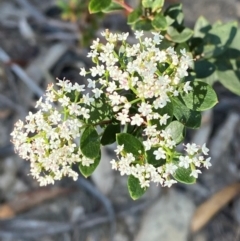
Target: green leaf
x,y
187,117
203,68
157,5
151,158
87,171
109,134
201,98
175,12
134,16
159,22
101,111
217,40
147,3
176,130
202,26
236,41
179,37
97,6
145,25
183,175
90,143
230,79
134,187
210,79
131,144
113,7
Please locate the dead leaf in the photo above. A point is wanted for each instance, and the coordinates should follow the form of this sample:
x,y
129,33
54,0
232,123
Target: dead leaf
x,y
29,200
212,206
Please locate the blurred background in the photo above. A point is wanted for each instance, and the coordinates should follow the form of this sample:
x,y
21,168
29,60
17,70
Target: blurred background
x,y
44,39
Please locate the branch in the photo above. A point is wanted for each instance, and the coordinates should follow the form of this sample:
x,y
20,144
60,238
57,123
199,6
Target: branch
x,y
124,5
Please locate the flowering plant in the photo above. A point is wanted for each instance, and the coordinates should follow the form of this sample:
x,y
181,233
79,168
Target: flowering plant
x,y
136,95
142,96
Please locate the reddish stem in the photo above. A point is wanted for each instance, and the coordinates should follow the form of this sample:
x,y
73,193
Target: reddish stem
x,y
124,5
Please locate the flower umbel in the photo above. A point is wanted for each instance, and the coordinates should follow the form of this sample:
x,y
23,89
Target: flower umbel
x,y
130,88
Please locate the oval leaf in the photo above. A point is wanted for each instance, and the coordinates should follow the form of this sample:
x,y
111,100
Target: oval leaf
x,y
109,134
131,144
187,117
183,175
179,37
159,22
230,79
90,143
113,7
97,6
87,171
201,98
203,68
176,130
134,16
134,187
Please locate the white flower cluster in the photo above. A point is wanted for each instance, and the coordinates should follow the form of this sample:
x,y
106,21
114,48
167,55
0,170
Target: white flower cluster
x,y
163,146
138,81
151,74
47,137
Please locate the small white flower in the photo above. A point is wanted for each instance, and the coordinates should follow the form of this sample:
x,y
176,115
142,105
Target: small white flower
x,y
163,119
207,163
187,87
169,183
138,34
119,149
160,154
136,120
170,168
192,149
205,150
184,161
195,173
83,72
114,164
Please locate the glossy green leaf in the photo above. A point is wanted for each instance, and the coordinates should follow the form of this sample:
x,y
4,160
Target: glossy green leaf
x,y
131,144
112,7
187,117
97,6
202,26
179,37
175,12
145,25
134,16
201,97
109,134
153,4
218,39
100,111
183,175
147,3
203,68
176,130
87,171
235,42
157,4
230,79
159,22
134,187
90,143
